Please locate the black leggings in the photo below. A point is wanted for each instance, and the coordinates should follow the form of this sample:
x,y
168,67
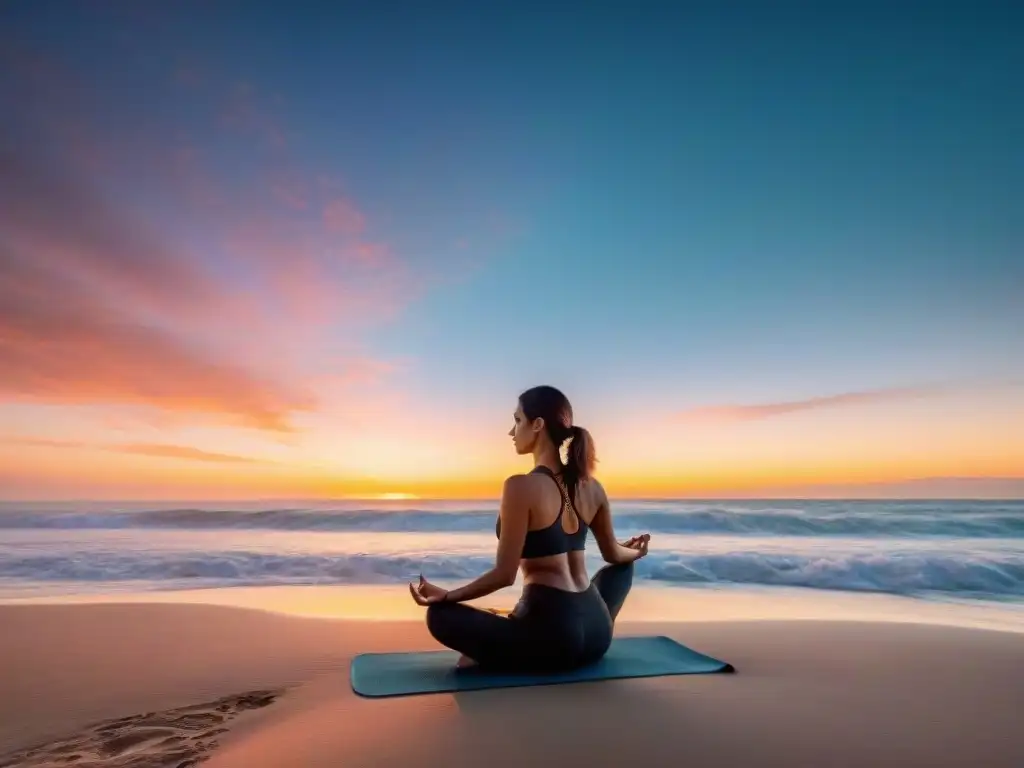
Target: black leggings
x,y
549,630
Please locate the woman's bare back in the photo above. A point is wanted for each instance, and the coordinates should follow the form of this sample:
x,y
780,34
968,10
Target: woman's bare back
x,y
563,571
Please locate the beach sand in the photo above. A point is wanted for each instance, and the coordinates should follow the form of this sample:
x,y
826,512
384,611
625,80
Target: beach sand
x,y
173,684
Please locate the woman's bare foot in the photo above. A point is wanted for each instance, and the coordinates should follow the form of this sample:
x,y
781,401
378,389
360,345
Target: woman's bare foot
x,y
464,662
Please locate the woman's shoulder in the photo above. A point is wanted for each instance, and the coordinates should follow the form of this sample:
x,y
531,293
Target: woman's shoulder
x,y
592,487
517,485
593,482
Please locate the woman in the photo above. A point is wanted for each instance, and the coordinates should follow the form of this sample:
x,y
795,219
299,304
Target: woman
x,y
563,620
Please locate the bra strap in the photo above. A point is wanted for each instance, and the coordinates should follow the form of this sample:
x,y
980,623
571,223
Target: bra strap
x,y
562,491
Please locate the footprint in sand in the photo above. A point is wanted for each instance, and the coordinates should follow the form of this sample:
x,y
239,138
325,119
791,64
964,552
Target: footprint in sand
x,y
174,738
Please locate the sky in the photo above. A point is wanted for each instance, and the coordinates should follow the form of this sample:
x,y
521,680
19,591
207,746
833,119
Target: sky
x,y
254,250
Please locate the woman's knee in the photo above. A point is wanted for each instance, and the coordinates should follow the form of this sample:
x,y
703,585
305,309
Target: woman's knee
x,y
619,567
435,617
619,572
439,620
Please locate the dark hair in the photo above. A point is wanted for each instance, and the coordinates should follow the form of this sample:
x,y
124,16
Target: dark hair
x,y
548,403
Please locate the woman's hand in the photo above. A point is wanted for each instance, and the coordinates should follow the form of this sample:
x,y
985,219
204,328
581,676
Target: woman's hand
x,y
425,593
638,544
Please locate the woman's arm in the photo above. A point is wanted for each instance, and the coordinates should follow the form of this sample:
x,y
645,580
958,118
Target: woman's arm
x,y
604,533
515,519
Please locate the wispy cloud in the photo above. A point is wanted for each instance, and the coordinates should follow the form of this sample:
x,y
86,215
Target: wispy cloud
x,y
98,304
244,113
726,413
183,452
158,450
342,217
290,193
51,217
60,345
42,442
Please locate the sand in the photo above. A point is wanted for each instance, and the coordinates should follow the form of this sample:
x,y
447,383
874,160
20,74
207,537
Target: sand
x,y
177,684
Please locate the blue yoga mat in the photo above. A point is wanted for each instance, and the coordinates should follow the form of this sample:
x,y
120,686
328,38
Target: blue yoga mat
x,y
404,674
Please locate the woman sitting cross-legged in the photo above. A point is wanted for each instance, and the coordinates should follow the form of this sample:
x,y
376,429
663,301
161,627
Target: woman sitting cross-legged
x,y
563,620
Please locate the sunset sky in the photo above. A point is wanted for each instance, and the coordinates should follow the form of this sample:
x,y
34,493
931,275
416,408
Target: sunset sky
x,y
766,249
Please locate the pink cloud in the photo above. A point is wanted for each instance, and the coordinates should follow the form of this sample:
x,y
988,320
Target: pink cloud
x,y
341,217
319,283
182,452
754,412
97,305
184,175
289,195
41,442
245,113
356,371
158,450
371,254
72,349
80,286
58,221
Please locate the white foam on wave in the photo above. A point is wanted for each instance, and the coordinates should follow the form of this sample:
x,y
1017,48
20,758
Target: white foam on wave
x,y
973,549
992,574
882,519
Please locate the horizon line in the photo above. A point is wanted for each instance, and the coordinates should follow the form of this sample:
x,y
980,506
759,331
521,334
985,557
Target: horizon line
x,y
974,490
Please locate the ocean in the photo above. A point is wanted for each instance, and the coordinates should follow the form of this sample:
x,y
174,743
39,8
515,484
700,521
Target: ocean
x,y
953,550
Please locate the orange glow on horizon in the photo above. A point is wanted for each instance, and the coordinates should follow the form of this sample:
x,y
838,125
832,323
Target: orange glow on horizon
x,y
78,481
408,451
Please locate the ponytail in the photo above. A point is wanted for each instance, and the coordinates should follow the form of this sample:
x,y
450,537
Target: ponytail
x,y
546,402
582,458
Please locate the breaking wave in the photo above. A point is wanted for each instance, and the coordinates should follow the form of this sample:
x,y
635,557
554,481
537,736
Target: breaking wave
x,y
1004,520
997,575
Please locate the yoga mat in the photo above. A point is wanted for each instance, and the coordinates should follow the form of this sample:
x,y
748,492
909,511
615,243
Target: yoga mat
x,y
405,674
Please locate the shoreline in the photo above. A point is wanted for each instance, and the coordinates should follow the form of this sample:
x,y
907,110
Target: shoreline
x,y
646,604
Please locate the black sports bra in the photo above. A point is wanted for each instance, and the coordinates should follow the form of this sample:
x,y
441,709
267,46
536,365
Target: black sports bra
x,y
552,540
